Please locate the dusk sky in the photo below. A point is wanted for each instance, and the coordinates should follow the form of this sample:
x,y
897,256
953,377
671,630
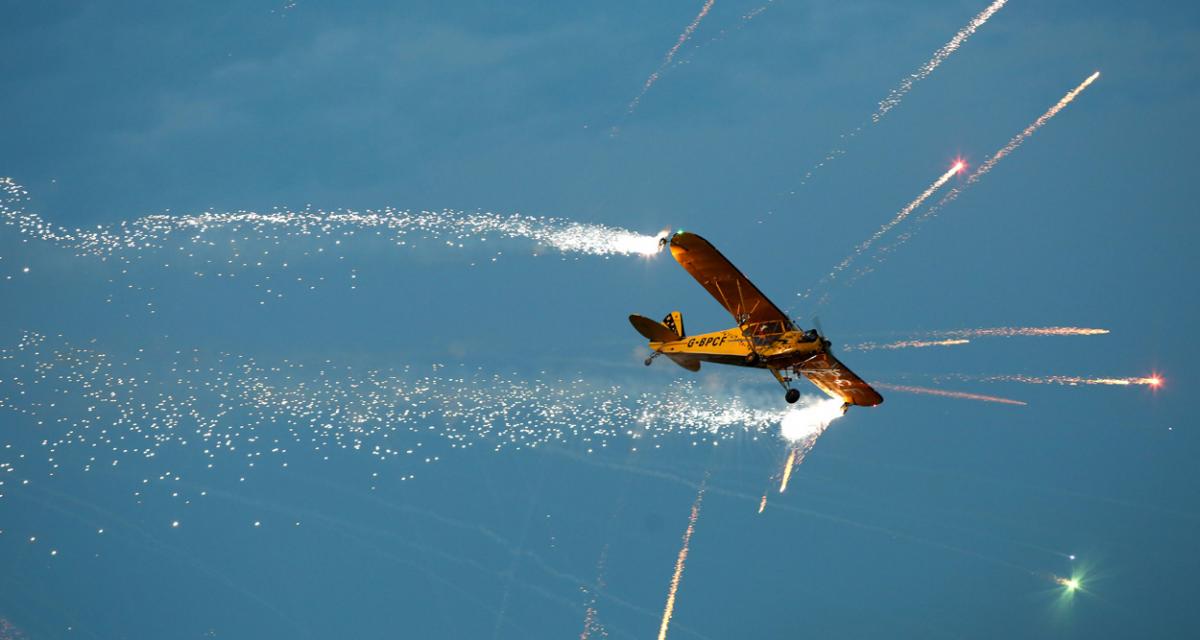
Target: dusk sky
x,y
365,371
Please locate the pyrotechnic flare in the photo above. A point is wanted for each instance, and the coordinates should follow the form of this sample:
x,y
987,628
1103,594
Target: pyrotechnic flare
x,y
962,395
680,560
683,37
1011,332
906,344
1007,149
897,94
454,227
903,213
1149,381
939,56
787,470
762,505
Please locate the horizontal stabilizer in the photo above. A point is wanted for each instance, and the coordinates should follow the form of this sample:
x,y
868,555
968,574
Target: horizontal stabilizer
x,y
654,331
689,363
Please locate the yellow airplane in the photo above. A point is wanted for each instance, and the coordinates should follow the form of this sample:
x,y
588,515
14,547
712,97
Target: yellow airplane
x,y
765,337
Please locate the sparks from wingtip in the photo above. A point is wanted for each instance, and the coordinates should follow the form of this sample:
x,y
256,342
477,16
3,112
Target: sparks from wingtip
x,y
1012,332
787,470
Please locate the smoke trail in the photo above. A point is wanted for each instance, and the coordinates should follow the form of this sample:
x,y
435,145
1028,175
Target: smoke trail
x,y
897,94
680,560
1012,332
984,168
905,344
454,227
657,73
946,394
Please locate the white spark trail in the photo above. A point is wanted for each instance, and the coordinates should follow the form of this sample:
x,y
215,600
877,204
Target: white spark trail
x,y
982,170
657,73
897,94
944,393
1011,332
897,219
160,230
894,97
669,609
905,344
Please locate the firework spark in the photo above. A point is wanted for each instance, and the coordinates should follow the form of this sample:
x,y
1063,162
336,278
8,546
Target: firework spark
x,y
906,344
988,164
762,505
1012,332
893,98
1073,381
962,395
161,231
679,562
897,219
657,73
787,470
897,94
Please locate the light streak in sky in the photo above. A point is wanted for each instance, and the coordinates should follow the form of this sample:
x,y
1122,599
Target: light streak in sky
x,y
984,168
452,228
762,505
787,471
1012,332
897,94
679,562
906,344
1149,381
893,98
657,73
961,395
897,219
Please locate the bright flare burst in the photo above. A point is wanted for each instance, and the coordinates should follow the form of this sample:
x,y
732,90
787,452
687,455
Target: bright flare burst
x,y
1072,584
679,562
961,395
801,426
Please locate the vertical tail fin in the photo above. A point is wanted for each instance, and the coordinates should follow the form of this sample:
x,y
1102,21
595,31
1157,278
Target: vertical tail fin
x,y
674,322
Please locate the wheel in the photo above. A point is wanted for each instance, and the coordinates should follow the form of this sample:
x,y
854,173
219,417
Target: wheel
x,y
648,361
792,396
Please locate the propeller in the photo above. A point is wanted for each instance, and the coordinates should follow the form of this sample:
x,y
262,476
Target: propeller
x,y
816,321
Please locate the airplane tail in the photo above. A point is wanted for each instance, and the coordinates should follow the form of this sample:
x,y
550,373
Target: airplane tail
x,y
674,322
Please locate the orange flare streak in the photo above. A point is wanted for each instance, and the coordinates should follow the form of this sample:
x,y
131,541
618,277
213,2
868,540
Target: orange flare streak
x,y
962,395
787,470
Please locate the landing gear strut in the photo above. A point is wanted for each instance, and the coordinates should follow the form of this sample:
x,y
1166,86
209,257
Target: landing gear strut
x,y
792,396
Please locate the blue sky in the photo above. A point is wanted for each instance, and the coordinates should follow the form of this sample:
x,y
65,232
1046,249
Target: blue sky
x,y
927,516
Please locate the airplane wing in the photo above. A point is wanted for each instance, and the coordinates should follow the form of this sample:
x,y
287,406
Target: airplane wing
x,y
724,282
837,380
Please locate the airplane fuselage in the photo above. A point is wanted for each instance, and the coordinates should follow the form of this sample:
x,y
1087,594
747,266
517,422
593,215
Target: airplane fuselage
x,y
739,346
